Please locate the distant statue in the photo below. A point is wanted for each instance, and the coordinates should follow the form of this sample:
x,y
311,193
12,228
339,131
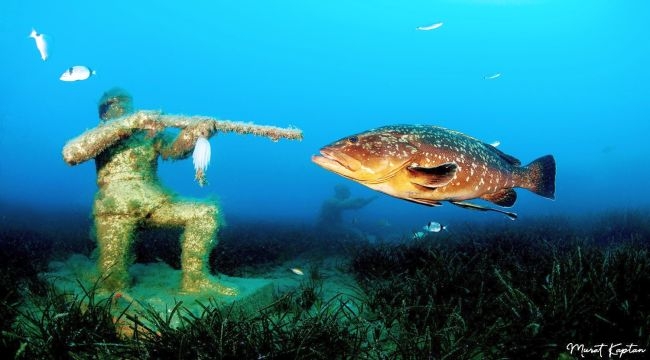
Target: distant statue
x,y
126,147
331,211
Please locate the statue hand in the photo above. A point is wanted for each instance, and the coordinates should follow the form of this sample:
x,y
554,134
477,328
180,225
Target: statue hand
x,y
204,128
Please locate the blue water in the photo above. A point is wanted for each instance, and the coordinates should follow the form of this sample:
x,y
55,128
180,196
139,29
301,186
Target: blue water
x,y
575,83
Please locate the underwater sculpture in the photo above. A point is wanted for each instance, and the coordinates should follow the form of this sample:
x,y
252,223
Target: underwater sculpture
x,y
331,211
428,164
126,146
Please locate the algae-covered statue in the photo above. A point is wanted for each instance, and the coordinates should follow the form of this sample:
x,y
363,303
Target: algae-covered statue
x,y
331,212
126,146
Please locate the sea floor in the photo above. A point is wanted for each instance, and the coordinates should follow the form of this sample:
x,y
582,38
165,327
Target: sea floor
x,y
155,286
524,289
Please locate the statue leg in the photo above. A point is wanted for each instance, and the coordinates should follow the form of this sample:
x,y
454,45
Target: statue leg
x,y
200,222
114,238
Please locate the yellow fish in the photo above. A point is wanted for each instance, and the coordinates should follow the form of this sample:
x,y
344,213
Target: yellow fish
x,y
428,164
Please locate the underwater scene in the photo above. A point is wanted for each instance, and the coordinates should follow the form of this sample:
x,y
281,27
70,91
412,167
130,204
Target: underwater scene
x,y
441,179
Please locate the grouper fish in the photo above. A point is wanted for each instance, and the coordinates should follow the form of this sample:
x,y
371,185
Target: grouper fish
x,y
429,164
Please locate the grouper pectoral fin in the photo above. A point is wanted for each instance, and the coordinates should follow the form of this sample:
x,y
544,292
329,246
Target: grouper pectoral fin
x,y
503,197
412,196
426,202
471,206
432,177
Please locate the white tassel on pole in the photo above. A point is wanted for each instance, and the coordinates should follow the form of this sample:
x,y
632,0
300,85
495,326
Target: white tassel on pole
x,y
201,159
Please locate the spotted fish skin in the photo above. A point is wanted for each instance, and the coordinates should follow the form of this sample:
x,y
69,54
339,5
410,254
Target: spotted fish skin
x,y
428,164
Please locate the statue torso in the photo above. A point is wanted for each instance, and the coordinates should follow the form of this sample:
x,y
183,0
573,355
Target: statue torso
x,y
134,158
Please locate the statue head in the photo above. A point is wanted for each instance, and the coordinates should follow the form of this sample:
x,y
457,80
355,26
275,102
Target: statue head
x,y
115,103
341,192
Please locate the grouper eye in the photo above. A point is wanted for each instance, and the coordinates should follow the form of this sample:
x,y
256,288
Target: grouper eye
x,y
353,139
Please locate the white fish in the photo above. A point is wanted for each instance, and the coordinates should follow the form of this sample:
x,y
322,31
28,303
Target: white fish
x,y
77,73
41,43
429,27
433,226
297,271
493,76
495,143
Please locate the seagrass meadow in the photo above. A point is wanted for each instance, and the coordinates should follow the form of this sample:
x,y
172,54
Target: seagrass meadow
x,y
526,290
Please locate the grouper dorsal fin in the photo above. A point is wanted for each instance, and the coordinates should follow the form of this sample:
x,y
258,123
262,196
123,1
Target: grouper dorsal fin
x,y
433,177
508,158
503,197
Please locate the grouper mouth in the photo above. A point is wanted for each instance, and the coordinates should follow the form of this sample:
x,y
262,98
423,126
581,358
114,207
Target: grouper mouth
x,y
348,167
336,161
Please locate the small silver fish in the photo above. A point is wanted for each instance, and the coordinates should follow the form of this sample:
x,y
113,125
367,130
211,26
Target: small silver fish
x,y
493,76
41,43
433,226
418,235
297,271
59,315
77,73
429,27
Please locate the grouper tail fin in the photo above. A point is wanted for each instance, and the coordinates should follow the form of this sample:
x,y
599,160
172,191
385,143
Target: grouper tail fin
x,y
540,176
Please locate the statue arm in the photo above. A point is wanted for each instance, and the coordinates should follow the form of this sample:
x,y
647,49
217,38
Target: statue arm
x,y
182,145
356,203
193,127
92,142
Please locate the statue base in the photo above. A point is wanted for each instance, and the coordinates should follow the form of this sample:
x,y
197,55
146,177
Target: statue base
x,y
156,288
